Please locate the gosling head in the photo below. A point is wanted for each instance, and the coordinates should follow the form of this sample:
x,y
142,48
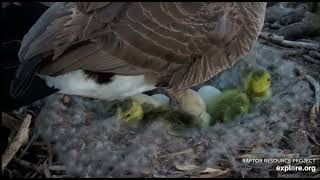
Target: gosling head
x,y
258,83
129,110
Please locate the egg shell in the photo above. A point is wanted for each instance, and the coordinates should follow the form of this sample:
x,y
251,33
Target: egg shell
x,y
162,99
206,118
192,102
208,93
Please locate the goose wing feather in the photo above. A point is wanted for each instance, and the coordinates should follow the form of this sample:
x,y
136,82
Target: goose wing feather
x,y
184,43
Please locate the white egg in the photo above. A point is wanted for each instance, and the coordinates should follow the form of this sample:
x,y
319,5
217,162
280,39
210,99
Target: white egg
x,y
162,99
208,93
192,102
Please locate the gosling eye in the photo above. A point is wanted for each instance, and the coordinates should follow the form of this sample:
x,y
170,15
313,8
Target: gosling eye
x,y
268,79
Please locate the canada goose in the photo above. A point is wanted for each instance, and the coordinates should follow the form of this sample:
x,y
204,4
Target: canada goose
x,y
113,50
237,102
133,109
257,84
192,113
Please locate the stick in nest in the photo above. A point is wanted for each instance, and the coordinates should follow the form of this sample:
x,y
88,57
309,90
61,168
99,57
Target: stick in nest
x,y
316,106
315,54
310,59
19,140
281,41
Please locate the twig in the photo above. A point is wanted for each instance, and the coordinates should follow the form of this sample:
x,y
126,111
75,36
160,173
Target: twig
x,y
15,173
28,175
20,139
11,41
57,168
275,25
311,137
310,59
308,40
213,173
37,143
50,154
41,156
10,122
33,138
34,175
316,106
62,176
29,165
46,171
186,151
314,54
280,40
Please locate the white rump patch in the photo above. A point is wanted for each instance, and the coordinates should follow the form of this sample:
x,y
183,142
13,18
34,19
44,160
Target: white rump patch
x,y
76,83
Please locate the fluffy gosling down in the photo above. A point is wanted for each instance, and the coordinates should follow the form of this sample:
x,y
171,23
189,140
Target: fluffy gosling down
x,y
199,109
238,102
133,109
143,108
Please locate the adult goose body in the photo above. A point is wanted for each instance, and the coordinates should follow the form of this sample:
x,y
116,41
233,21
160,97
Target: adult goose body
x,y
116,49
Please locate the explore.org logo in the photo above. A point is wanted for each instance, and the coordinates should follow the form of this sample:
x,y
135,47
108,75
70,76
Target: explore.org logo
x,y
287,168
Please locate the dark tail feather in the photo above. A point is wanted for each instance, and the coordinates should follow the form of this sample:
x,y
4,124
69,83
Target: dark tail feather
x,y
16,21
8,69
24,76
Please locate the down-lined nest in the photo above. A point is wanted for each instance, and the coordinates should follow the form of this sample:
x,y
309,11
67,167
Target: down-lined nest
x,y
92,144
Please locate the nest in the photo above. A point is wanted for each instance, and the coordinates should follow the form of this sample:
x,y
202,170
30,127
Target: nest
x,y
77,137
89,142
